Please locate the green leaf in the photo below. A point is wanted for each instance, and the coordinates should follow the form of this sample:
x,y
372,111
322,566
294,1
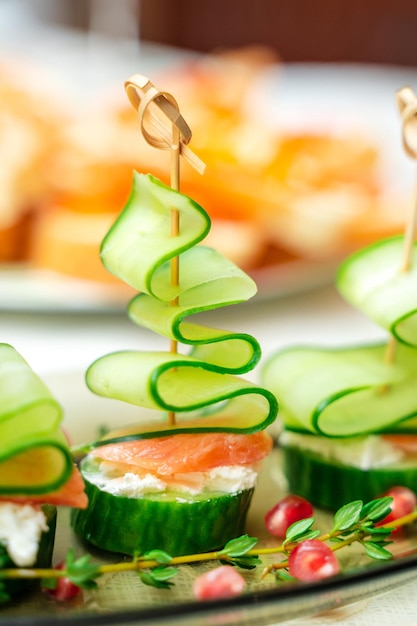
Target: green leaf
x,y
377,509
148,579
49,583
159,556
81,571
245,562
239,546
365,528
348,515
376,551
380,541
381,530
282,575
160,577
298,529
311,534
164,573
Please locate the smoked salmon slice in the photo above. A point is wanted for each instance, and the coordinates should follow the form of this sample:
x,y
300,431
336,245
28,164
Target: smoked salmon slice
x,y
71,494
195,452
405,442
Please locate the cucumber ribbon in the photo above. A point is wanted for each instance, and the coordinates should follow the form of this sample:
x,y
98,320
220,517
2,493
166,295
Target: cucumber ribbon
x,y
354,391
138,249
34,454
371,281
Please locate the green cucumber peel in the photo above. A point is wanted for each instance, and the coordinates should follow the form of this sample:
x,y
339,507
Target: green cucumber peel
x,y
229,351
138,249
206,400
140,243
343,392
29,431
371,280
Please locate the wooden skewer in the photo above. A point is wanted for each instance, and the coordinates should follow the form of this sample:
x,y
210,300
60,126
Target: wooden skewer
x,y
407,104
175,231
142,93
175,216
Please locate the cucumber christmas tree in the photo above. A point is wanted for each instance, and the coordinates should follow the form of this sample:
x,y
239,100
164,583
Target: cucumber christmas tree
x,y
345,410
154,246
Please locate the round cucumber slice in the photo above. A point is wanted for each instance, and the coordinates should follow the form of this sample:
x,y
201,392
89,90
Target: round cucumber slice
x,y
178,525
46,545
331,485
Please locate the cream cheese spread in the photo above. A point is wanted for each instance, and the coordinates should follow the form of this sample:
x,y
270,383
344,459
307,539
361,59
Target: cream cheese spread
x,y
21,527
362,452
223,479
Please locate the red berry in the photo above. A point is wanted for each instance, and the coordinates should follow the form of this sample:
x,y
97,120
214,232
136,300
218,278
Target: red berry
x,y
287,511
404,502
65,589
222,582
312,560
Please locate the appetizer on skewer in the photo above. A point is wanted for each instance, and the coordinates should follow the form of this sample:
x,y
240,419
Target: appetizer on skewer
x,y
182,483
350,414
37,472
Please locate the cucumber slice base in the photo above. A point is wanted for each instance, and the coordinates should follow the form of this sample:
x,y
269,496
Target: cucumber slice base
x,y
178,526
330,485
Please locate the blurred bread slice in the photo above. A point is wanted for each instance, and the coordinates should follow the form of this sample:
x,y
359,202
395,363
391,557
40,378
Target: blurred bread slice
x,y
30,121
272,196
68,242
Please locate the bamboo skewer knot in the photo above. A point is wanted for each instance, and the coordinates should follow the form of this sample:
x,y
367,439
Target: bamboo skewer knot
x,y
142,95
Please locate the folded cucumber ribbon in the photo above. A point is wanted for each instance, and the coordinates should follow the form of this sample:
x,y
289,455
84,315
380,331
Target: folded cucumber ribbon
x,y
354,391
344,392
34,454
371,281
138,249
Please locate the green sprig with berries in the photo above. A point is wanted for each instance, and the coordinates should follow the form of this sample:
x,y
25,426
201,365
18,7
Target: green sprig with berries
x,y
353,523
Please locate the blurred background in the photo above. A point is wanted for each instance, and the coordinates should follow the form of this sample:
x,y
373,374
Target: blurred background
x,y
375,31
371,31
292,108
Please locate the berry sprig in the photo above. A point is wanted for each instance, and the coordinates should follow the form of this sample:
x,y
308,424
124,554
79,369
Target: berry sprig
x,y
310,558
307,555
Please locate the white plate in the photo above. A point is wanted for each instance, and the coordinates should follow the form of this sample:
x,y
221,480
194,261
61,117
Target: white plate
x,y
29,290
323,97
340,99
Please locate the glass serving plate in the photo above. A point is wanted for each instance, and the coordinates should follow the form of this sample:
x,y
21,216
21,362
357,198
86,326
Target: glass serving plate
x,y
123,599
